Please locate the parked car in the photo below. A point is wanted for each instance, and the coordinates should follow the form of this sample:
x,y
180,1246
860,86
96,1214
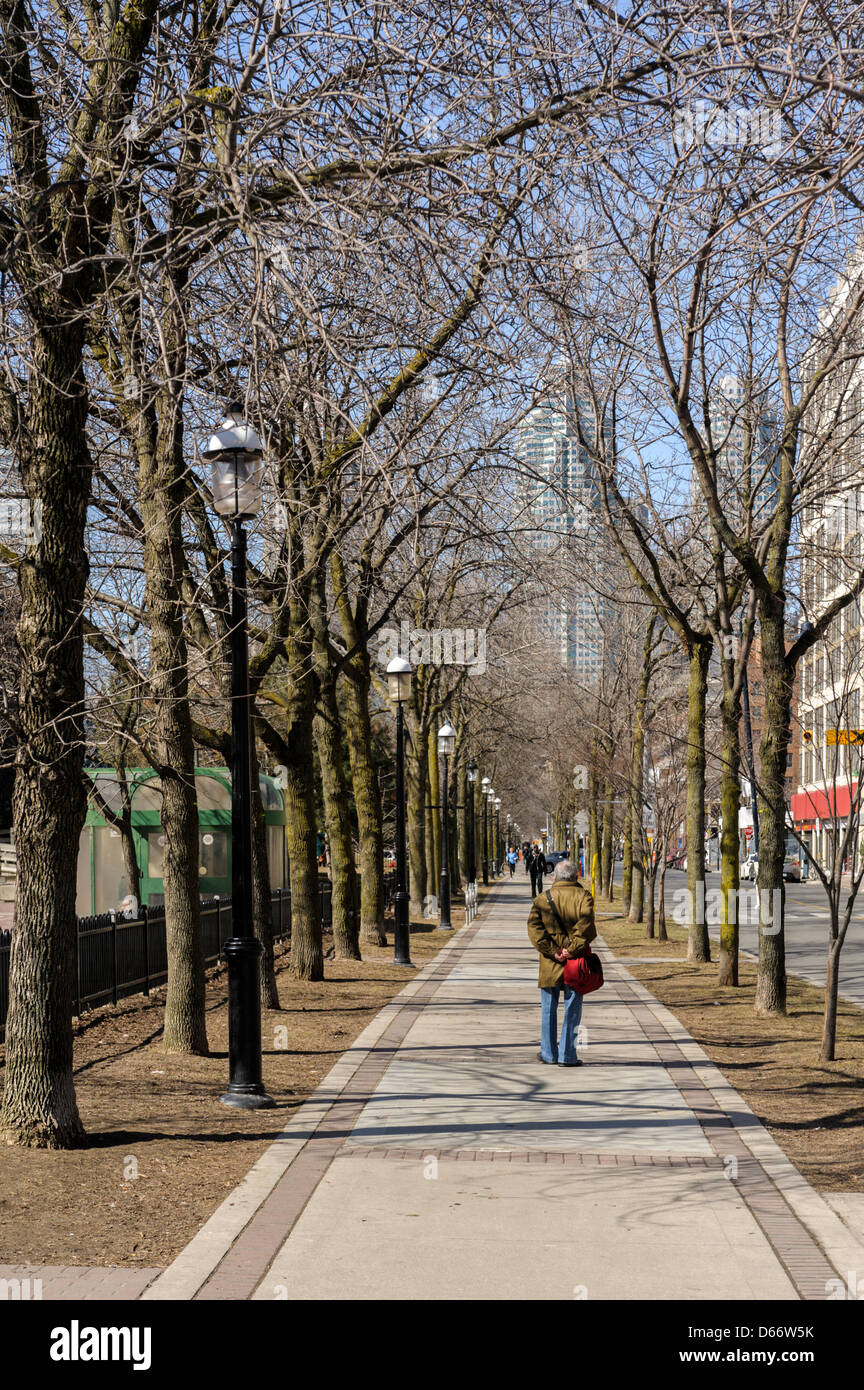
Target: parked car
x,y
554,857
792,866
750,868
676,860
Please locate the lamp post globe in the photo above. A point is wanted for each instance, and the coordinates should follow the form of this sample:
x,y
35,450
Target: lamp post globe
x,y
236,459
399,674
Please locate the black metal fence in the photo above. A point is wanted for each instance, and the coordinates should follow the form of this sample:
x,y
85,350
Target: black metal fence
x,y
116,957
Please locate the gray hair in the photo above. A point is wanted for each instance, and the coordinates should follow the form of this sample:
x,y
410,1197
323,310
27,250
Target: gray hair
x,y
566,871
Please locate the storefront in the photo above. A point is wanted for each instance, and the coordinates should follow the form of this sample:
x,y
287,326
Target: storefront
x,y
819,817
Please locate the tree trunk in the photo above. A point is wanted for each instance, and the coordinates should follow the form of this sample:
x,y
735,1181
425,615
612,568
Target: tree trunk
x,y
649,907
637,885
777,679
162,483
49,805
433,816
661,901
130,858
185,1020
262,901
328,741
607,861
730,795
591,867
832,984
367,800
416,782
637,761
627,861
294,751
698,941
463,799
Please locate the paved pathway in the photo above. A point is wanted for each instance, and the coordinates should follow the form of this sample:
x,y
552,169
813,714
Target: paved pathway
x,y
440,1160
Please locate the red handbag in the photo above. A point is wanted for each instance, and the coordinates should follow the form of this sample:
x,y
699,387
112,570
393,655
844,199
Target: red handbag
x,y
583,974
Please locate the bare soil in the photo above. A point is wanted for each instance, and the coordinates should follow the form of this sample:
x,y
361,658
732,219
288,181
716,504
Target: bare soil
x,y
161,1151
813,1109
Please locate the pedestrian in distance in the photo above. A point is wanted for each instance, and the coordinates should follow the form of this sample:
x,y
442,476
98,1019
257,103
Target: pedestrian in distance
x,y
560,931
512,860
537,869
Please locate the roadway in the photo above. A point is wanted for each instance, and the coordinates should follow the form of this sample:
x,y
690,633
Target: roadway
x,y
806,923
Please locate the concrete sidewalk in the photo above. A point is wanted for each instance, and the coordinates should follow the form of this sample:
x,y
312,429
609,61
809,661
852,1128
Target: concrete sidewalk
x,y
441,1160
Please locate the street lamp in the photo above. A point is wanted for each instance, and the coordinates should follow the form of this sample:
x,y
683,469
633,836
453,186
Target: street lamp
x,y
472,854
490,802
446,745
399,686
484,792
497,804
236,458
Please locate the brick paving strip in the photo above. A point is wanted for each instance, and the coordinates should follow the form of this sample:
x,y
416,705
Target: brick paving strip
x,y
551,1156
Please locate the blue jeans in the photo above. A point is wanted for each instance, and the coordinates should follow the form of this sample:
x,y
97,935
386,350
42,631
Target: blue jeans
x,y
549,1049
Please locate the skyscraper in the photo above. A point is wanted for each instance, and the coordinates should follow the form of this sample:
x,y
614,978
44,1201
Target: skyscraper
x,y
561,491
745,435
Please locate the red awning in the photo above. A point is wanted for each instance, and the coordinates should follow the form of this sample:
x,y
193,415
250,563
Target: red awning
x,y
828,805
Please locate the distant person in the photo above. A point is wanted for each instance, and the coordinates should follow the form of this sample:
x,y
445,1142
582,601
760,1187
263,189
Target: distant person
x,y
512,860
537,869
559,933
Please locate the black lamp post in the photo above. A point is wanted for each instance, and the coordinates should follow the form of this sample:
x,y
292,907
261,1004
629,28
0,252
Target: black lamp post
x,y
236,455
493,852
472,847
484,792
446,745
497,805
399,684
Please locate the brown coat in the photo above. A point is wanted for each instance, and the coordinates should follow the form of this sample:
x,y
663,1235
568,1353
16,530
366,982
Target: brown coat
x,y
576,909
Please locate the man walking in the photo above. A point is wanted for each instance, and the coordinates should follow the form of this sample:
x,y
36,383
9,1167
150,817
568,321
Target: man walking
x,y
537,868
560,930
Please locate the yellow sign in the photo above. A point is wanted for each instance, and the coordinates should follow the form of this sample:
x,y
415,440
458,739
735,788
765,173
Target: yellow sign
x,y
841,736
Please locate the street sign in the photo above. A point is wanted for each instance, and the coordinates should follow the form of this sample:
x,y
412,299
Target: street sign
x,y
841,736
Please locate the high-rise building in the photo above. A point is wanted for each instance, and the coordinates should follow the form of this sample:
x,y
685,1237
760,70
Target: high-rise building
x,y
830,707
745,435
560,487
